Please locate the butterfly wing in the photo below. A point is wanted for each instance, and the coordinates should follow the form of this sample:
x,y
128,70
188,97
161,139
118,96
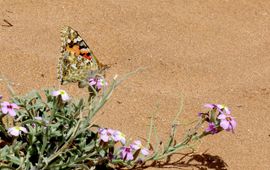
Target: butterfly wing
x,y
77,59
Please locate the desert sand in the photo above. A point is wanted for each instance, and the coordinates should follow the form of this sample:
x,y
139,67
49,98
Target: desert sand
x,y
205,51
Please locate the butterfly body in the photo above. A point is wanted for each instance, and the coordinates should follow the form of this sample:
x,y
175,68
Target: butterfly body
x,y
77,60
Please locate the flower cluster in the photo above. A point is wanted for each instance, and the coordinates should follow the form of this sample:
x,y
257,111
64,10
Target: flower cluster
x,y
127,153
107,135
10,109
219,118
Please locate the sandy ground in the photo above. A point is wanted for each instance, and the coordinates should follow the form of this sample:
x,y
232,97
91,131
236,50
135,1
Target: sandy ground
x,y
206,51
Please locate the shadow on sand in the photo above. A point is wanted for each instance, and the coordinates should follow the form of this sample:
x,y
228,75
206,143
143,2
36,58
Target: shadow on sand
x,y
191,161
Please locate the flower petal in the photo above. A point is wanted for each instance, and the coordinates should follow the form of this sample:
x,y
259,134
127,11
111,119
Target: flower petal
x,y
23,129
137,144
14,106
233,123
129,156
56,93
145,151
4,110
4,103
225,124
65,97
222,116
211,106
13,131
12,112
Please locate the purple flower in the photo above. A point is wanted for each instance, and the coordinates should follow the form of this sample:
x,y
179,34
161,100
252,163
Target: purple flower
x,y
126,153
227,122
119,136
9,108
106,134
92,81
211,128
16,131
136,145
1,97
220,107
101,83
97,82
111,135
62,93
145,151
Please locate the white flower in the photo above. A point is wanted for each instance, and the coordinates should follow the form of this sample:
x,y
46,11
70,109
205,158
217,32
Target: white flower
x,y
62,93
16,131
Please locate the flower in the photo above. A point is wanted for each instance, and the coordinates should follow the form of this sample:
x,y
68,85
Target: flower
x,y
92,81
126,153
136,145
62,93
211,128
101,83
227,122
220,107
223,109
97,82
145,151
1,97
211,106
9,108
111,135
16,131
119,136
105,134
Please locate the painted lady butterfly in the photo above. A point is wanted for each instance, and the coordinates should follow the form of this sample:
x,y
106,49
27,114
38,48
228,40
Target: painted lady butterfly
x,y
77,61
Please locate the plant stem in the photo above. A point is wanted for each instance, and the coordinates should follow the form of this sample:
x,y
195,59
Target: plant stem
x,y
64,146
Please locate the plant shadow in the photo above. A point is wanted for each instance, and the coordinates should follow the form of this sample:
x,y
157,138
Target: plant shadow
x,y
194,161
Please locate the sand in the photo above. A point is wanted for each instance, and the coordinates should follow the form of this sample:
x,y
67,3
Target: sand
x,y
205,51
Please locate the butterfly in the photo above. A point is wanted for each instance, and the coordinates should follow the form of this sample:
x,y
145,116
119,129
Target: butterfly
x,y
77,62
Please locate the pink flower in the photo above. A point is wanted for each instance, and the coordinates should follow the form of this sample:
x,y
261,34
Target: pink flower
x,y
92,81
136,145
9,108
97,82
227,122
106,134
62,93
16,131
126,153
101,83
145,151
